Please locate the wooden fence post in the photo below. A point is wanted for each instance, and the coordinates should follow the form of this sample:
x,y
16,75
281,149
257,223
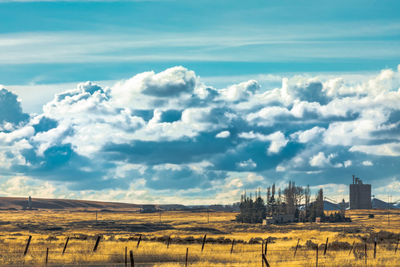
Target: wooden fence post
x,y
138,242
131,257
295,251
375,249
169,240
316,256
262,253
233,242
264,258
397,244
27,245
126,256
47,255
204,241
352,247
65,246
97,243
326,246
187,256
266,247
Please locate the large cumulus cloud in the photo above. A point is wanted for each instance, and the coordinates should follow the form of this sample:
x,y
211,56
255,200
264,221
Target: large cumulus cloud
x,y
169,133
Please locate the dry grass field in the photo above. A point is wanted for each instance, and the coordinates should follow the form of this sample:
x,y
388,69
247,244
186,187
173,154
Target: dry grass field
x,y
120,230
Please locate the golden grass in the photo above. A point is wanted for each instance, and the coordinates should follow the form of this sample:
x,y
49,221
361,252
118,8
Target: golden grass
x,y
49,229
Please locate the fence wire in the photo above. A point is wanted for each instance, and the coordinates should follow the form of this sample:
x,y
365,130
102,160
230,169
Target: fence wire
x,y
303,255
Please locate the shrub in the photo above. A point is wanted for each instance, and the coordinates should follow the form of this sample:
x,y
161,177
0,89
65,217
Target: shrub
x,y
310,244
337,245
255,240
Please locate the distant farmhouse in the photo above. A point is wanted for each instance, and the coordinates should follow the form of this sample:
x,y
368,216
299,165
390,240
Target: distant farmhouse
x,y
148,208
360,195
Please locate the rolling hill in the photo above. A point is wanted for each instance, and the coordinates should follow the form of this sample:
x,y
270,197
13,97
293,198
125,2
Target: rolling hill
x,y
18,203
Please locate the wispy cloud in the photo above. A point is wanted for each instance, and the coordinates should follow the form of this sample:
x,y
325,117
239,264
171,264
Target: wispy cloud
x,y
281,44
76,1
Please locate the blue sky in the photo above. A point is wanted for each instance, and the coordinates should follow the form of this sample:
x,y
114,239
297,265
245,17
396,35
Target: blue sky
x,y
197,100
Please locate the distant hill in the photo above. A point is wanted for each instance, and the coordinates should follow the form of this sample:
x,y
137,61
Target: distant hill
x,y
376,204
330,206
380,204
19,203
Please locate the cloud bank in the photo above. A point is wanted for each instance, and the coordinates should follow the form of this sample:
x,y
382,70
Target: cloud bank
x,y
170,137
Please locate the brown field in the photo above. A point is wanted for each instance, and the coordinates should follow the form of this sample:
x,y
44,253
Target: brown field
x,y
49,229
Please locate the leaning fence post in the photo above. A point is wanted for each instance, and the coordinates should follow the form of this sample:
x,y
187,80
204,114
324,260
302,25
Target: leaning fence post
x,y
169,240
204,241
65,246
27,245
187,255
97,243
316,256
375,248
365,251
126,256
47,255
233,242
138,242
131,257
352,247
397,244
266,247
264,258
298,240
326,246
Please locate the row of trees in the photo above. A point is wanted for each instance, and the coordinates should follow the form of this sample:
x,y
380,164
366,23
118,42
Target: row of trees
x,y
293,201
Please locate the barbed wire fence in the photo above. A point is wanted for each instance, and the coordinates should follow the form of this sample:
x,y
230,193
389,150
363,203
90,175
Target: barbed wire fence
x,y
300,255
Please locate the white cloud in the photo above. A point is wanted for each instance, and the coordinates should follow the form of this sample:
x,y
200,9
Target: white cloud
x,y
308,135
240,91
277,139
390,187
347,163
367,163
253,135
171,82
172,128
253,178
389,149
236,182
280,168
247,164
223,134
357,131
24,186
320,160
268,115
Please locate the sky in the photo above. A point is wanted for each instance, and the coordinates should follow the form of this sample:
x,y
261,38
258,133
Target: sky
x,y
193,102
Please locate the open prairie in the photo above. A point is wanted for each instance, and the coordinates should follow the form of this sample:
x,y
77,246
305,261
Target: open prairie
x,y
184,231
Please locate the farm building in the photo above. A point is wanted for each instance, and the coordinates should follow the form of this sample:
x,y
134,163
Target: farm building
x,y
279,218
148,208
360,194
